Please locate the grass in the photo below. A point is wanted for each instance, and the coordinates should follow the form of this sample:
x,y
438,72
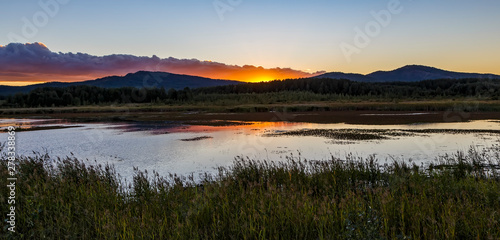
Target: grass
x,y
460,105
344,134
457,197
374,134
454,131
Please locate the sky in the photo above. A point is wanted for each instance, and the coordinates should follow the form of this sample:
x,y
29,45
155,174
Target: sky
x,y
246,40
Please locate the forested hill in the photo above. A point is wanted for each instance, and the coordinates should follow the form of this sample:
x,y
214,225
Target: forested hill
x,y
141,79
291,90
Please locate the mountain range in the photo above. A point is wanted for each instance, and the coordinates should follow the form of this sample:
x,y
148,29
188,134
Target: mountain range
x,y
409,73
139,80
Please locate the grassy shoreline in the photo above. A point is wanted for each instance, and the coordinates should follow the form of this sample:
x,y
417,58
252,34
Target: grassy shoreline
x,y
363,112
303,106
458,197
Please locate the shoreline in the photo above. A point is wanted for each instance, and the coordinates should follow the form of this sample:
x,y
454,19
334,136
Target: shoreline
x,y
210,118
350,112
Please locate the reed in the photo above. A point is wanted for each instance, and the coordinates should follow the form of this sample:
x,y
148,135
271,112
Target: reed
x,y
456,197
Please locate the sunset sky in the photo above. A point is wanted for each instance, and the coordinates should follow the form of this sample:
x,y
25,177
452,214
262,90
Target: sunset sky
x,y
242,39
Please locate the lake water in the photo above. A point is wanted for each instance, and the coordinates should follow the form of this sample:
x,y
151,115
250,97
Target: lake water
x,y
170,147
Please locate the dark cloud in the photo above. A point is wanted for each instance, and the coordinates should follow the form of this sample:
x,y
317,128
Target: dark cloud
x,y
37,63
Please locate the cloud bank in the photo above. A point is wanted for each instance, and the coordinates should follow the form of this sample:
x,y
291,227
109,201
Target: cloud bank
x,y
36,63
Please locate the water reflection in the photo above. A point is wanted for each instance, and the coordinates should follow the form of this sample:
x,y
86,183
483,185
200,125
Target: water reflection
x,y
181,148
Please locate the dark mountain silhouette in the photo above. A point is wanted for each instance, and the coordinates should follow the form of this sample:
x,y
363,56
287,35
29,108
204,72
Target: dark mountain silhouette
x,y
139,79
166,80
410,73
350,76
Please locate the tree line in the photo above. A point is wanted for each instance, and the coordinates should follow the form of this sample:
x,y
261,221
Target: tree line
x,y
290,90
428,88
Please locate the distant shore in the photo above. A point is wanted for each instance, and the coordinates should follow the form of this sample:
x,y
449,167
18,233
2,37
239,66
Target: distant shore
x,y
321,112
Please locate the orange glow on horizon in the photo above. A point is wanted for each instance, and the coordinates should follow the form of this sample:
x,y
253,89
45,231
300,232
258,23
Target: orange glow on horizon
x,y
257,75
243,76
30,64
19,84
261,79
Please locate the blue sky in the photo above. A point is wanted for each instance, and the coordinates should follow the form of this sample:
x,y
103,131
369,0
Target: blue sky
x,y
304,35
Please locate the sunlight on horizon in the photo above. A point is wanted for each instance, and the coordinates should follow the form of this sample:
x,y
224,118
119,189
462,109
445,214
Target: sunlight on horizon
x,y
19,84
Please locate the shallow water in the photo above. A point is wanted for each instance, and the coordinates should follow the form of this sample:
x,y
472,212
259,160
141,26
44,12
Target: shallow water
x,y
169,147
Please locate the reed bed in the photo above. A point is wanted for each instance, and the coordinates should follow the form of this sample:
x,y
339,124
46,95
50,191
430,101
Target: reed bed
x,y
455,197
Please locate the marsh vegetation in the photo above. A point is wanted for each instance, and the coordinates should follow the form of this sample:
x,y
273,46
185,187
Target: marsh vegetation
x,y
375,134
456,197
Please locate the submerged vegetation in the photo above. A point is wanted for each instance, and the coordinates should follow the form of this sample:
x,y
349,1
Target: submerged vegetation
x,y
457,197
196,139
375,134
344,134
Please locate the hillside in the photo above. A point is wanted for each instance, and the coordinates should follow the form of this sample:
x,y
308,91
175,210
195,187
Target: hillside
x,y
139,80
410,73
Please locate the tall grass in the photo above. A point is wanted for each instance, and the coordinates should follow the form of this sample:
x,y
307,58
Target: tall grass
x,y
458,197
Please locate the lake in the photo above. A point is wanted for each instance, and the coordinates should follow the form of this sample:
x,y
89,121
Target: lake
x,y
171,147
